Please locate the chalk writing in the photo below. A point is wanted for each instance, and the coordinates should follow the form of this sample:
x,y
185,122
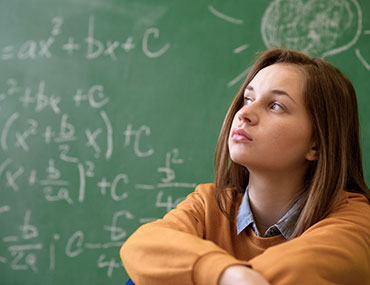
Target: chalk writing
x,y
118,233
129,132
224,16
167,203
63,177
95,96
91,46
365,63
312,26
23,256
111,264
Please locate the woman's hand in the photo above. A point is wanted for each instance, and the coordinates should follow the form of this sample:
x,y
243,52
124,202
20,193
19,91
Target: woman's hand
x,y
241,275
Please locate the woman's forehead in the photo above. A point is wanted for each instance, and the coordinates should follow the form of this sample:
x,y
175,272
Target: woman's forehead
x,y
284,77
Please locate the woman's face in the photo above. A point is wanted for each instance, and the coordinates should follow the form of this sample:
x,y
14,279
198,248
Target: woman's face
x,y
272,130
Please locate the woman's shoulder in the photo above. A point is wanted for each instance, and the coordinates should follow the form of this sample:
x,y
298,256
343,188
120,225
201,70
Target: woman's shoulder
x,y
206,188
209,191
352,212
352,202
354,207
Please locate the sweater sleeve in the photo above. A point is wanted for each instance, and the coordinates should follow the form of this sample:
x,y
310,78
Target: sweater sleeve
x,y
173,250
336,250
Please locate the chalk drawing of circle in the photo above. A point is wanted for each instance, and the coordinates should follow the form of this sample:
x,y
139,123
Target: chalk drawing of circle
x,y
316,27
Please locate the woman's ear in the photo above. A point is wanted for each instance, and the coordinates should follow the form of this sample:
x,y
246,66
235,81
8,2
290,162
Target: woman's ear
x,y
312,153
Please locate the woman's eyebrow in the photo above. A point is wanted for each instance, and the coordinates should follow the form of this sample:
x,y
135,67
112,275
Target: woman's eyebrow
x,y
282,92
274,91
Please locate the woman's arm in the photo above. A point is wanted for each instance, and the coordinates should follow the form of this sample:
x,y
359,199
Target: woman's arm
x,y
174,250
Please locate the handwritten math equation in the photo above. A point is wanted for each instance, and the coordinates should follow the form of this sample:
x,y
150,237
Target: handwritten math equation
x,y
26,130
89,48
24,247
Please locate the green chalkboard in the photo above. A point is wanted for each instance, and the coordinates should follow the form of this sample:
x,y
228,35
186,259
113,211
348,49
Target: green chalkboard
x,y
110,111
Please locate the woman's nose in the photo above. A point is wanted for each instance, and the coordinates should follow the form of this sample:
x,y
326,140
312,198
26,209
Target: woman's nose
x,y
247,115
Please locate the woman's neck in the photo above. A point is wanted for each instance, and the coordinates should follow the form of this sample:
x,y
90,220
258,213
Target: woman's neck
x,y
271,196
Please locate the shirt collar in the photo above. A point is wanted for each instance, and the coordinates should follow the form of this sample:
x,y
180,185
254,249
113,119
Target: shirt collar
x,y
284,226
245,216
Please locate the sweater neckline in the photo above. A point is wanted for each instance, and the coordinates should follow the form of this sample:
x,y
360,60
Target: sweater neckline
x,y
263,242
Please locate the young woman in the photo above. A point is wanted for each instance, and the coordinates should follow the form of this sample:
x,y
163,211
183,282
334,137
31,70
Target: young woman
x,y
289,204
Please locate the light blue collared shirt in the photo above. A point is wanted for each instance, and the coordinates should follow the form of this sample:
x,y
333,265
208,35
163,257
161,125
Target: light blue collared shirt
x,y
284,226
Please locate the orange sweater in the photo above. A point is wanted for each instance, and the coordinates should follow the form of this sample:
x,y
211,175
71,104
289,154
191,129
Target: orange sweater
x,y
195,243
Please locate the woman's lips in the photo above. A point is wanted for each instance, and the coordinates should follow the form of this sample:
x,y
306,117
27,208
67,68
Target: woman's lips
x,y
239,135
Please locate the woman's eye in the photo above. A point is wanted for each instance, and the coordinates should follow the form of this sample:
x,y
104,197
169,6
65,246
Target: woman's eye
x,y
276,107
248,101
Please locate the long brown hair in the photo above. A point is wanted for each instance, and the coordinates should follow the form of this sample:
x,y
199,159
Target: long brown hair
x,y
331,103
